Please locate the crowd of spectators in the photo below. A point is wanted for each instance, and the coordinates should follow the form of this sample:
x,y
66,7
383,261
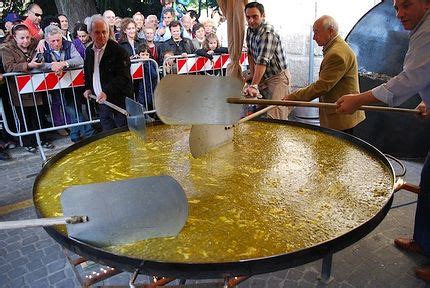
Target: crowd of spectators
x,y
36,41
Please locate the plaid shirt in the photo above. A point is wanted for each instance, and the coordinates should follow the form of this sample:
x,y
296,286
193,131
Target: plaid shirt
x,y
264,44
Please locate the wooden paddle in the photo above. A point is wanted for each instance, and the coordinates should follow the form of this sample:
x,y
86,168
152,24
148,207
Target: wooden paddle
x,y
119,212
265,102
204,138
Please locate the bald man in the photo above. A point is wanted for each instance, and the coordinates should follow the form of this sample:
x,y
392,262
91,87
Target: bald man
x,y
338,76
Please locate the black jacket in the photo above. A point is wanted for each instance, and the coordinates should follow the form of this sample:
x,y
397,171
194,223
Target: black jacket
x,y
183,46
115,74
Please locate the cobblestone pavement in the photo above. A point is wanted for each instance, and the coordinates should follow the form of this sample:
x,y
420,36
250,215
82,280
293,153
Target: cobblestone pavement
x,y
31,258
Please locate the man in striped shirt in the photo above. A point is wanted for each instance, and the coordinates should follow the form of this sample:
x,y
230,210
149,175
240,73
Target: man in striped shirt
x,y
268,66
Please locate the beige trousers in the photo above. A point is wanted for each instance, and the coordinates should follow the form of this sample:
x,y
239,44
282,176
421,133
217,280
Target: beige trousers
x,y
275,88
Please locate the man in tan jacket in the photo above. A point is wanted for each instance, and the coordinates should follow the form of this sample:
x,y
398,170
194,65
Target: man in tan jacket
x,y
338,76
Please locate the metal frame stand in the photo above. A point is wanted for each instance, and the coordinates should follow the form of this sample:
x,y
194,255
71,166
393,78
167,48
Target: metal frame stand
x,y
325,276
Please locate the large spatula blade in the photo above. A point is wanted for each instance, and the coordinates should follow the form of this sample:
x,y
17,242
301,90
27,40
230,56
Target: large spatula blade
x,y
136,119
126,211
197,99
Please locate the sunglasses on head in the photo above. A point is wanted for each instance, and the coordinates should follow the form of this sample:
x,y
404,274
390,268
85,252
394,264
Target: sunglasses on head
x,y
18,27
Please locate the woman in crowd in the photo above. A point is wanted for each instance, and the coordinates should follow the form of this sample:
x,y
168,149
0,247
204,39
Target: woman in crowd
x,y
128,38
81,38
199,35
153,46
19,55
139,19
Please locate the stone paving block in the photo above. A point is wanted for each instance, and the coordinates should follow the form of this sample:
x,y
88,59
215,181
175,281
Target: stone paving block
x,y
52,257
294,274
13,244
17,272
44,242
29,240
41,283
19,261
274,282
12,256
290,284
56,277
57,265
18,282
257,283
25,250
311,275
305,284
3,236
66,283
38,254
34,264
282,274
35,274
5,267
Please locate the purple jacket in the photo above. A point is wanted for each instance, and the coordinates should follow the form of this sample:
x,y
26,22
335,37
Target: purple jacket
x,y
80,47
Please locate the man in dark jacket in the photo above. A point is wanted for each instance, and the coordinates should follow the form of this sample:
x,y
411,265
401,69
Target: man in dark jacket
x,y
107,73
177,44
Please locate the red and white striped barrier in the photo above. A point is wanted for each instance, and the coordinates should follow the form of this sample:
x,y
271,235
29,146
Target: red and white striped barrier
x,y
68,79
199,64
49,81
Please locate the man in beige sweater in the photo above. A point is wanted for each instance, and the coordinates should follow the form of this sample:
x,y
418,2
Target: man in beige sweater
x,y
338,76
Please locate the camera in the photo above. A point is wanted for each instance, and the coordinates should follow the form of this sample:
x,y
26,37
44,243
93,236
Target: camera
x,y
38,58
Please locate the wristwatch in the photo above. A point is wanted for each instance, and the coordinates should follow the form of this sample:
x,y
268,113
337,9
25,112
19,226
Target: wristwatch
x,y
67,64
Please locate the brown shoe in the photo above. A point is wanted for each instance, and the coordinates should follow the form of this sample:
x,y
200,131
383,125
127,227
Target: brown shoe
x,y
408,245
423,273
62,132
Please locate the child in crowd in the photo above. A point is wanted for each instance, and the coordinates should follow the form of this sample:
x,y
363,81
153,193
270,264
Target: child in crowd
x,y
169,64
211,46
148,83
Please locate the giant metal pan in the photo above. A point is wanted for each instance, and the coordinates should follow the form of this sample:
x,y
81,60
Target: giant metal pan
x,y
215,270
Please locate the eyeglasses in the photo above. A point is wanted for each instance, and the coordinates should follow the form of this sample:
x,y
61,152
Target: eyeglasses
x,y
36,14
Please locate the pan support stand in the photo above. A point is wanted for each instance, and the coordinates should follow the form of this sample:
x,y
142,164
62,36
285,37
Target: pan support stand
x,y
325,276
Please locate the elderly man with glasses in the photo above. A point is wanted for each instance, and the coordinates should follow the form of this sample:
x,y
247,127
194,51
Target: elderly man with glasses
x,y
34,17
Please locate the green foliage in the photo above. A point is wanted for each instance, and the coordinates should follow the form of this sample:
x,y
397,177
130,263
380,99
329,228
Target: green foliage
x,y
17,6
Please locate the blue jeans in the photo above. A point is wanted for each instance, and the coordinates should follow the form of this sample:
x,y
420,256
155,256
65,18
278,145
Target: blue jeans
x,y
76,132
422,214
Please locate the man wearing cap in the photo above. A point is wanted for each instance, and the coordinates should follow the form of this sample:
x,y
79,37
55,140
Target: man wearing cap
x,y
10,20
34,17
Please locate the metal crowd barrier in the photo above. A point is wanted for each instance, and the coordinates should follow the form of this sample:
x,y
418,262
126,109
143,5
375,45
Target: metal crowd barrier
x,y
44,101
192,64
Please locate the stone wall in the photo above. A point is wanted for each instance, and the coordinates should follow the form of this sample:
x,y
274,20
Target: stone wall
x,y
293,20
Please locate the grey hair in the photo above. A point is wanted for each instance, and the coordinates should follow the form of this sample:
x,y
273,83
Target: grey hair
x,y
52,30
329,22
97,18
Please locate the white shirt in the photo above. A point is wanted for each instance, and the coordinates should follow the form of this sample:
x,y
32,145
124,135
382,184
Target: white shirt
x,y
98,54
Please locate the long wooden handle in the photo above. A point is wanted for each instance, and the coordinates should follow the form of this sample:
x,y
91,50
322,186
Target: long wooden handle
x,y
255,114
42,222
316,105
111,105
251,116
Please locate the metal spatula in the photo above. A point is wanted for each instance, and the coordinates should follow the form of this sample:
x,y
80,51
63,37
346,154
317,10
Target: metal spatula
x,y
134,113
120,212
197,99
